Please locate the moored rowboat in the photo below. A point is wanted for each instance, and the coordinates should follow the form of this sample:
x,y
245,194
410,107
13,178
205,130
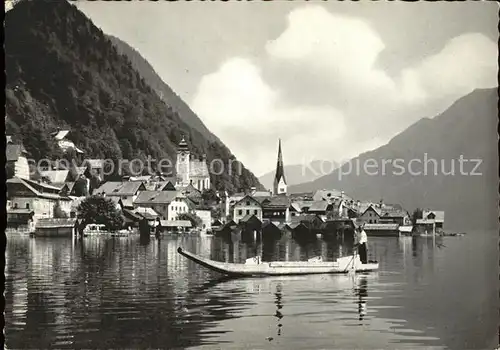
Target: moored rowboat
x,y
255,267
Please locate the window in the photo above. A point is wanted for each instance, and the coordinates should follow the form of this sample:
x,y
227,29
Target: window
x,y
240,212
248,202
15,205
255,212
27,205
248,211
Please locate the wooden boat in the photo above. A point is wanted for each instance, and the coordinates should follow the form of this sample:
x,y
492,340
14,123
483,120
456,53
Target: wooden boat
x,y
256,267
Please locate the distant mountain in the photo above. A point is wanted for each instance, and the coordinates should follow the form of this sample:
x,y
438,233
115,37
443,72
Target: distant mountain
x,y
295,174
163,90
64,72
468,128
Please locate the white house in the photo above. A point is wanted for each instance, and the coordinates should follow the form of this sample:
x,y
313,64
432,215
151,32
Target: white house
x,y
64,143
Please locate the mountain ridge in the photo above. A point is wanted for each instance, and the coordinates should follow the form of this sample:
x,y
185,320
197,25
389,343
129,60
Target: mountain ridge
x,y
468,128
163,90
63,71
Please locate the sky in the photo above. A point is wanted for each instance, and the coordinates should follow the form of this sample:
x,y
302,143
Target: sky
x,y
331,79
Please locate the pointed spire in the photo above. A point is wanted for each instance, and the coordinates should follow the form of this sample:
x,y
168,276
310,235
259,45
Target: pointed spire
x,y
280,171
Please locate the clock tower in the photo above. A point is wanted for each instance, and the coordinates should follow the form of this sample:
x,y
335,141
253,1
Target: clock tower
x,y
182,164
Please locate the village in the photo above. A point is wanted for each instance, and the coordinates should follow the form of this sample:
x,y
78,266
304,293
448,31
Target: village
x,y
48,206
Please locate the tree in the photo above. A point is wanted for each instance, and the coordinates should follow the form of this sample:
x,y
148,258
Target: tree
x,y
195,219
81,189
58,212
417,214
216,212
209,195
100,210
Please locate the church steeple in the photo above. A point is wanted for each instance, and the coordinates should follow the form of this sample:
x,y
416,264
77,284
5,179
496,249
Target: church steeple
x,y
183,146
279,178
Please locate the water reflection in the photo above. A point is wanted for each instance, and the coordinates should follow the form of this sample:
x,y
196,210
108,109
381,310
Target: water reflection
x,y
362,293
125,293
279,306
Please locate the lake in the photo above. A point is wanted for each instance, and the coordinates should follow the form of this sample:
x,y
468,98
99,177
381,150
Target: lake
x,y
123,293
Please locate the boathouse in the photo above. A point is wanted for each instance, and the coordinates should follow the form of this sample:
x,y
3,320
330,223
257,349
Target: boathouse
x,y
391,229
175,225
250,224
55,227
270,231
20,219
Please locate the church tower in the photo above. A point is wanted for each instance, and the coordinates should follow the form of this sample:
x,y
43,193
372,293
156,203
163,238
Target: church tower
x,y
182,164
279,186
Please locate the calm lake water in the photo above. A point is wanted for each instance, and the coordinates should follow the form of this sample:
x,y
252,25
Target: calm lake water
x,y
123,293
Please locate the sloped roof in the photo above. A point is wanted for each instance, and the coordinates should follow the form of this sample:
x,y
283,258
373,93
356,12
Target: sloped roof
x,y
189,188
374,207
295,206
217,222
56,176
175,223
148,213
260,194
439,214
13,152
61,134
112,188
127,203
275,202
269,224
53,223
131,214
35,187
318,206
248,198
156,197
250,217
380,227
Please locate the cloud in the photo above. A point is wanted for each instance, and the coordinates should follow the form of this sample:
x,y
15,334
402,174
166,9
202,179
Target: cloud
x,y
318,86
466,62
238,106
